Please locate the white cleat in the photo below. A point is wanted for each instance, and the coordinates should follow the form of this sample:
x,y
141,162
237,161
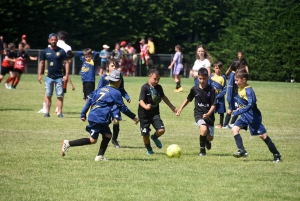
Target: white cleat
x,y
65,147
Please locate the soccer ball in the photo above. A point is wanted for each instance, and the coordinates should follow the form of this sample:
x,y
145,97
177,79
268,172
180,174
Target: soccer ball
x,y
173,151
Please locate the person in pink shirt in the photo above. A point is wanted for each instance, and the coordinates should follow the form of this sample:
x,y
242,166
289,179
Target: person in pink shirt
x,y
144,53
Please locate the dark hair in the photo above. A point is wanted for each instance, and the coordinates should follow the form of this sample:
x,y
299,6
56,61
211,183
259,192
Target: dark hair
x,y
219,64
62,35
179,47
241,52
21,43
203,72
236,64
114,61
70,54
154,70
87,51
242,73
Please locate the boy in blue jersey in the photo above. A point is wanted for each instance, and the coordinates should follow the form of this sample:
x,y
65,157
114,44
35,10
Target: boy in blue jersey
x,y
87,71
104,103
53,58
250,116
112,65
150,96
218,82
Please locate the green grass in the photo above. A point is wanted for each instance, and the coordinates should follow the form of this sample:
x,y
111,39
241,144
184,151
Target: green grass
x,y
32,167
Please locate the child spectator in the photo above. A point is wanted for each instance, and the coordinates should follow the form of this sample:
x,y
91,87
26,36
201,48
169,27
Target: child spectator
x,y
178,68
87,71
144,53
250,116
218,82
205,101
8,63
112,65
104,55
150,96
101,102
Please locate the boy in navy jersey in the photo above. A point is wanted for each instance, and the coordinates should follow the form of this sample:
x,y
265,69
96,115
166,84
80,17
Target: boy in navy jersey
x,y
205,101
104,103
250,116
87,71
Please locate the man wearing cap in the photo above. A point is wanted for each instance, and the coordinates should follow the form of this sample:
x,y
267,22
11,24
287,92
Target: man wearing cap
x,y
24,40
104,103
104,54
53,58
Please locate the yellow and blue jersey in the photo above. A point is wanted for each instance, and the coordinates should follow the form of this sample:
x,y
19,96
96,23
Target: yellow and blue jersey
x,y
219,84
87,71
246,101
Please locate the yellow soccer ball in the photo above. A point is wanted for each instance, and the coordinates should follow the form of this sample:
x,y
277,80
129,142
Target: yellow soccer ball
x,y
174,151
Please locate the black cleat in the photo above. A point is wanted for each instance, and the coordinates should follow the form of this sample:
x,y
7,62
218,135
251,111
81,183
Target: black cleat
x,y
115,143
240,153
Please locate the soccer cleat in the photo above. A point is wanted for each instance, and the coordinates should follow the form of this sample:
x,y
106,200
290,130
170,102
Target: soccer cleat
x,y
202,154
230,125
240,153
218,126
180,89
157,142
150,152
42,111
226,127
65,147
100,158
176,90
208,145
115,143
277,158
61,115
47,115
6,85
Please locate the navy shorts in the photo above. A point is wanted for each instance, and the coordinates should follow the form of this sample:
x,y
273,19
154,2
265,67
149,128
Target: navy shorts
x,y
96,128
145,123
255,128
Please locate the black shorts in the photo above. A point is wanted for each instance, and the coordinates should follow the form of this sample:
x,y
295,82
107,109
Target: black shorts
x,y
6,70
88,88
19,71
145,123
103,65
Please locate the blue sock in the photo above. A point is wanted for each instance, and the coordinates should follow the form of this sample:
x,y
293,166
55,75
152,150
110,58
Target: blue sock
x,y
239,142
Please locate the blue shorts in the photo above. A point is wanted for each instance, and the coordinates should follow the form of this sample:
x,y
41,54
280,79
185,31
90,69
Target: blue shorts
x,y
96,128
255,128
59,86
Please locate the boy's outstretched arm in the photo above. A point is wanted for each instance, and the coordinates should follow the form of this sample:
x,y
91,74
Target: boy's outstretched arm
x,y
185,102
171,106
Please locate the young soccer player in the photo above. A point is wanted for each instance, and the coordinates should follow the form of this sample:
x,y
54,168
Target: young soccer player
x,y
178,67
87,71
231,92
8,63
218,82
205,101
150,96
112,65
250,116
102,103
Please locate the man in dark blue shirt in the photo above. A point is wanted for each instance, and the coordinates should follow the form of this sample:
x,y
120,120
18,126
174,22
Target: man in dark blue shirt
x,y
53,58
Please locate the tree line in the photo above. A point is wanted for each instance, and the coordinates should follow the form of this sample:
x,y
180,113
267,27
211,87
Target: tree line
x,y
268,31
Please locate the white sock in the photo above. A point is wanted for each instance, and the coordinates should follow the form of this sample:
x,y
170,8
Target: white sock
x,y
44,106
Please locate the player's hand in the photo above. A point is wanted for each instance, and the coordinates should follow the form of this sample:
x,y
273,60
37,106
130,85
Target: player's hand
x,y
170,67
136,120
178,112
83,119
148,107
40,79
65,78
205,116
128,101
174,109
73,88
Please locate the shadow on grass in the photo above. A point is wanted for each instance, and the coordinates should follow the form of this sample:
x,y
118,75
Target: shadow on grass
x,y
15,109
131,147
132,159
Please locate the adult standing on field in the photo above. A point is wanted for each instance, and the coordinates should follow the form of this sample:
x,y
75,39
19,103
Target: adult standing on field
x,y
53,58
203,60
243,63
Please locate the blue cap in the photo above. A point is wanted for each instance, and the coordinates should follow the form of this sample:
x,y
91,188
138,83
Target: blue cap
x,y
52,34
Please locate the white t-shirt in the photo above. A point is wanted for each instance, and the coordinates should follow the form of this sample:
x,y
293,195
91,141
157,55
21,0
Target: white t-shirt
x,y
63,45
200,64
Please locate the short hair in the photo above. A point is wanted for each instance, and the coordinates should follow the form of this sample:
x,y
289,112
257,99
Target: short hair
x,y
87,52
241,52
70,54
62,35
219,64
203,72
21,43
242,73
150,39
11,45
236,64
154,70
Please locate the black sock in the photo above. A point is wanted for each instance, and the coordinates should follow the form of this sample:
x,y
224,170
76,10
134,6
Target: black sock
x,y
80,142
177,85
234,118
227,119
155,136
221,119
202,143
103,145
148,147
116,130
271,145
239,142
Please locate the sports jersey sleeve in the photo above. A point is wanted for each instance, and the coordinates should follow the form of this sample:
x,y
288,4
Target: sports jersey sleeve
x,y
86,107
230,89
43,55
101,82
251,102
143,93
121,106
96,54
123,91
222,94
190,97
81,56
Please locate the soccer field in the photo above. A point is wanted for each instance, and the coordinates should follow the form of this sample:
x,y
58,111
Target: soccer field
x,y
32,167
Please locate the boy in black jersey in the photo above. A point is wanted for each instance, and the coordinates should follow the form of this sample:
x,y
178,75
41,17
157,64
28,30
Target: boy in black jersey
x,y
151,95
205,101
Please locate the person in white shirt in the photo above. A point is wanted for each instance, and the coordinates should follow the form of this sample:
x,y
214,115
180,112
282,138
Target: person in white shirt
x,y
203,60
